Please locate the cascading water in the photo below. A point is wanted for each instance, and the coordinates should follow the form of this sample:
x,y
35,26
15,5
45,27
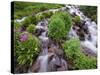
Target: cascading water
x,y
43,58
90,38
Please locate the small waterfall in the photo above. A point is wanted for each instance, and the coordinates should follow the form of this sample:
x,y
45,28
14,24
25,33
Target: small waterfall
x,y
43,58
90,38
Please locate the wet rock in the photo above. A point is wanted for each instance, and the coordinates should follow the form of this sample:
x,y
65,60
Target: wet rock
x,y
56,50
54,64
51,50
85,28
57,61
64,66
42,24
35,66
81,34
57,64
50,56
59,52
39,31
88,52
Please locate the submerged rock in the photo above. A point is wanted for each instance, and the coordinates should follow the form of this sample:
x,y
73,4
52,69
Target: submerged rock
x,y
39,31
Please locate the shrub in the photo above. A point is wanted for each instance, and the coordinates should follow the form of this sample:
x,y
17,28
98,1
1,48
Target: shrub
x,y
26,48
72,48
65,16
85,62
76,58
56,29
29,20
40,17
59,25
31,28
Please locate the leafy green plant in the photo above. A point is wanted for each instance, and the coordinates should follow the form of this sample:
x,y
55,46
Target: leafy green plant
x,y
76,58
17,25
29,20
59,25
26,48
40,17
31,28
57,29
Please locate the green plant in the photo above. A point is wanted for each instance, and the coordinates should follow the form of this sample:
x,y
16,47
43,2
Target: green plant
x,y
17,25
40,17
72,48
31,28
65,16
47,14
29,20
85,62
26,48
59,25
56,29
77,19
76,58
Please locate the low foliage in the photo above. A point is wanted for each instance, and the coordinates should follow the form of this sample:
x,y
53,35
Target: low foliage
x,y
59,25
17,25
29,20
77,19
31,28
76,58
22,9
57,29
26,48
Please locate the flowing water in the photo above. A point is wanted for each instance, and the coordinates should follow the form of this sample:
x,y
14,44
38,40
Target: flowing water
x,y
43,58
91,38
89,42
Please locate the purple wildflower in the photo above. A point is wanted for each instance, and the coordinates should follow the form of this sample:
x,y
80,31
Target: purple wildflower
x,y
23,37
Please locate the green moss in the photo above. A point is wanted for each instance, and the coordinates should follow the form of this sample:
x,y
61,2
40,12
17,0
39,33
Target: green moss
x,y
77,19
76,58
